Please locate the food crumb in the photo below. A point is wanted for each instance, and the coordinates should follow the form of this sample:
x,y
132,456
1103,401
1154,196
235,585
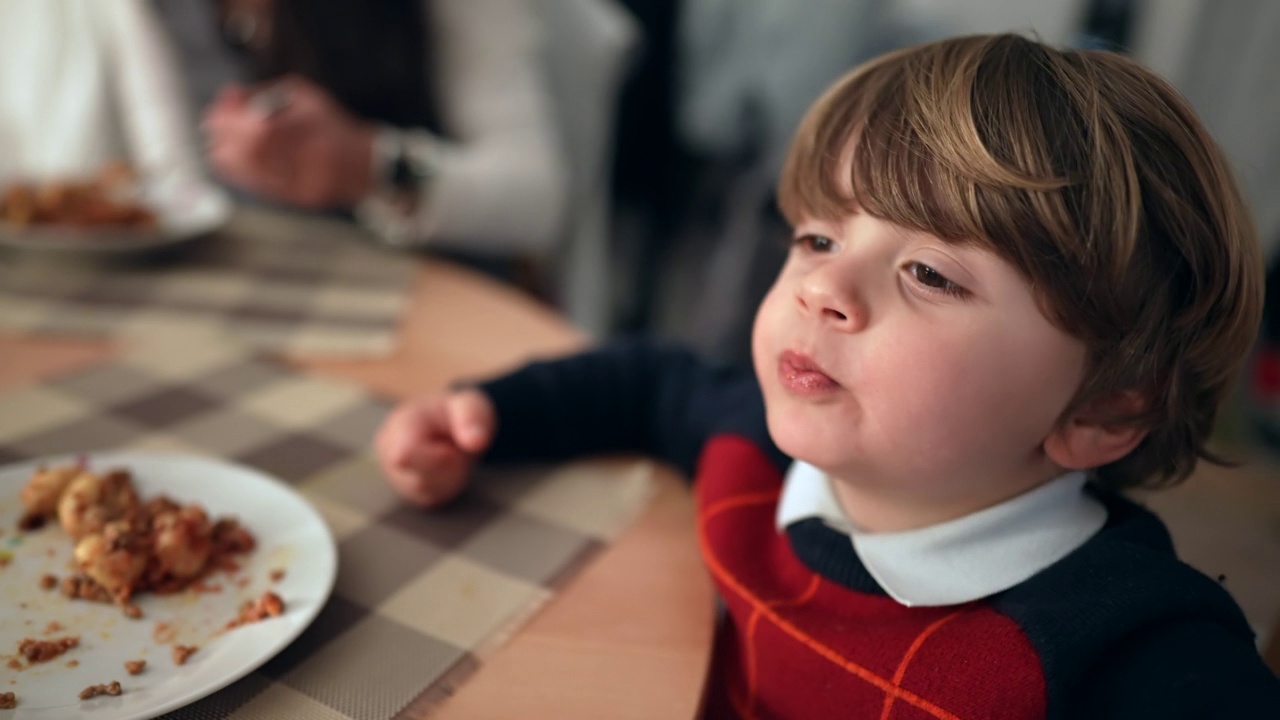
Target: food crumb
x,y
14,664
164,633
53,627
182,652
83,588
135,666
269,605
8,701
132,611
38,651
48,582
73,663
277,575
95,690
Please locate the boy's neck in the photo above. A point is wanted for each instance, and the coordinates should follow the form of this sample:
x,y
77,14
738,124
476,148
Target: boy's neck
x,y
872,510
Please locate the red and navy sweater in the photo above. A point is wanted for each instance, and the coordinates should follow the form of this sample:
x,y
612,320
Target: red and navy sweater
x,y
1119,628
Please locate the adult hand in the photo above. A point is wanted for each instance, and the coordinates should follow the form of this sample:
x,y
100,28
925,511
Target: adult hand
x,y
428,446
301,148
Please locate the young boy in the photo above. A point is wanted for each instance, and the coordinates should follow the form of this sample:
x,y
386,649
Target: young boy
x,y
1022,281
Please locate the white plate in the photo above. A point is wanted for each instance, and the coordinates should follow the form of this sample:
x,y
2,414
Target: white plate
x,y
290,534
185,210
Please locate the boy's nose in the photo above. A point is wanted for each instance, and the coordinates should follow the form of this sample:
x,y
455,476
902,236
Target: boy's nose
x,y
838,308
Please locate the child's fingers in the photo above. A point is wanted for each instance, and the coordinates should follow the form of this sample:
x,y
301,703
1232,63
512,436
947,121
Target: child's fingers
x,y
426,447
430,459
409,425
409,486
471,420
431,474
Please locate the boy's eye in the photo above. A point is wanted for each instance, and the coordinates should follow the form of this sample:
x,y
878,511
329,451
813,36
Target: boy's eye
x,y
815,243
934,280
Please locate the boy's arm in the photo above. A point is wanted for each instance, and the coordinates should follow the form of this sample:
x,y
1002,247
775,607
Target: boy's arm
x,y
1189,670
629,396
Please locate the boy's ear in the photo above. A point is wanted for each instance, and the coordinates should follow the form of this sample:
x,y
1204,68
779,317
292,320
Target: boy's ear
x,y
1093,437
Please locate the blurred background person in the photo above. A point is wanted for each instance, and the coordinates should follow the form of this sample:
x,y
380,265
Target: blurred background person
x,y
479,128
85,85
430,120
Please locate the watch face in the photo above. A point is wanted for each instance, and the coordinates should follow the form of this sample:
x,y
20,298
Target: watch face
x,y
402,174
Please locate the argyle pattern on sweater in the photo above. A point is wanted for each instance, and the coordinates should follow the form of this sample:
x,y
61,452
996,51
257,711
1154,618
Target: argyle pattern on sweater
x,y
800,645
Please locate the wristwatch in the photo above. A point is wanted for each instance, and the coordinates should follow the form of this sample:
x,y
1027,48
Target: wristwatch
x,y
401,174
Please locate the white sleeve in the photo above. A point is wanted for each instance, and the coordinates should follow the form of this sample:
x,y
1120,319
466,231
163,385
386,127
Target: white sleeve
x,y
149,94
498,184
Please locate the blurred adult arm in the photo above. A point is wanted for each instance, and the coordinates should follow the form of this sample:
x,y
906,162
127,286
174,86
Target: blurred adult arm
x,y
498,183
150,97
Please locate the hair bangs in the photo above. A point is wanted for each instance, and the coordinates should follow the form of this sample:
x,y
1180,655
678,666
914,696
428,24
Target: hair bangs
x,y
905,139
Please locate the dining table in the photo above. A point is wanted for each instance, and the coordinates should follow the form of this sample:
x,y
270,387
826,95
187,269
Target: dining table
x,y
629,635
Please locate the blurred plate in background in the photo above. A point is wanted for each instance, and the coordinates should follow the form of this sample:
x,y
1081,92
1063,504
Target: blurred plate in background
x,y
183,211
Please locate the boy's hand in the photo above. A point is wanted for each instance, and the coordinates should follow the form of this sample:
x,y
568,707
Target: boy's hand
x,y
427,447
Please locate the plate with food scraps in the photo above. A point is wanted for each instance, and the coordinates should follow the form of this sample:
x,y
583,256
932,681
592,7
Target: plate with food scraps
x,y
112,211
187,627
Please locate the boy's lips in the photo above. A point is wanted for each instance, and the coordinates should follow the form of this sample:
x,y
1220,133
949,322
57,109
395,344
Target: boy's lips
x,y
801,375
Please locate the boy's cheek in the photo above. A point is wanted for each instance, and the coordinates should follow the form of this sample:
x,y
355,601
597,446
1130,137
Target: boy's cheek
x,y
762,342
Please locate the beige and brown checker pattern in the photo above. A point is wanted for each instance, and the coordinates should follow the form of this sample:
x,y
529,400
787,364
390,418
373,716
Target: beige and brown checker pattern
x,y
275,281
420,598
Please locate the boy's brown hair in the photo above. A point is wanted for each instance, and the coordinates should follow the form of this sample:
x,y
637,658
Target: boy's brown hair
x,y
1089,174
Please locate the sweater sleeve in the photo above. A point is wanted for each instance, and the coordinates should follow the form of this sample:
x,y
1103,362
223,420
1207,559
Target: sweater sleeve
x,y
1191,670
629,396
150,96
499,177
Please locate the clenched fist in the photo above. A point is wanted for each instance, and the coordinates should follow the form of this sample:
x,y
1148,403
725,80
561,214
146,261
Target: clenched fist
x,y
427,446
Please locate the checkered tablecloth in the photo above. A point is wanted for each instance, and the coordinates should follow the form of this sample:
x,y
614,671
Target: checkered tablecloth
x,y
421,597
273,280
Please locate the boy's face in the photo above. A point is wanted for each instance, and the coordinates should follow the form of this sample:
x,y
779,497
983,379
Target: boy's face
x,y
907,366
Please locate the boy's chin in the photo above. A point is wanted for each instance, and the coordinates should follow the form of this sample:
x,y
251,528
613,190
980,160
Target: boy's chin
x,y
798,444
